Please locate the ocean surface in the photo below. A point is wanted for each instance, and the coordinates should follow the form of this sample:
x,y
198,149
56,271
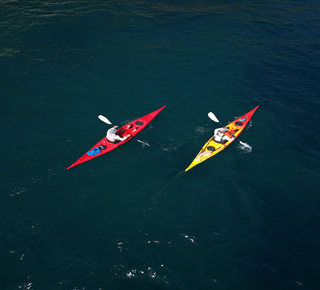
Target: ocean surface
x,y
132,218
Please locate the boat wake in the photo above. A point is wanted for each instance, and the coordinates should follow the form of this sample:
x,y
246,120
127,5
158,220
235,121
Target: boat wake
x,y
178,175
163,190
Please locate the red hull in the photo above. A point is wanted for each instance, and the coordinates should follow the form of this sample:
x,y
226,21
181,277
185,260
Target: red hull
x,y
140,124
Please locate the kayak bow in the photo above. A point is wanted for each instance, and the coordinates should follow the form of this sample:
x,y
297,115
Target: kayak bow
x,y
212,148
104,146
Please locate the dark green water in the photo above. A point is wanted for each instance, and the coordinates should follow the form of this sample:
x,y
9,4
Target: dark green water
x,y
132,219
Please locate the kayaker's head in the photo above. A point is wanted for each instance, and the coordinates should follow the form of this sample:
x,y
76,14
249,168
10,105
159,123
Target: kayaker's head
x,y
224,130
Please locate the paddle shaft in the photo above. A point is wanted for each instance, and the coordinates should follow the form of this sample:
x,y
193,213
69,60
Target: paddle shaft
x,y
235,137
214,118
229,132
105,120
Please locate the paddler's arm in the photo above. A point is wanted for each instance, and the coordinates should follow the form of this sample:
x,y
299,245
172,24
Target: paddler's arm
x,y
228,138
117,137
127,136
216,131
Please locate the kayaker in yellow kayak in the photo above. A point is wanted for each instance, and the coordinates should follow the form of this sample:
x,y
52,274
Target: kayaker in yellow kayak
x,y
113,137
220,135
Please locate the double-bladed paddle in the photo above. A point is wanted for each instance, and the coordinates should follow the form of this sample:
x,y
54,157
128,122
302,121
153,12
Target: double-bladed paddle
x,y
215,119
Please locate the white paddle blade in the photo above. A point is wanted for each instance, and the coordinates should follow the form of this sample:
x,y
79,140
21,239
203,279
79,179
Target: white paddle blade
x,y
144,143
104,119
213,117
245,145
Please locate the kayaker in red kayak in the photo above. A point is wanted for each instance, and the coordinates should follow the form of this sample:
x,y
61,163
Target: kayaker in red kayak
x,y
220,135
113,137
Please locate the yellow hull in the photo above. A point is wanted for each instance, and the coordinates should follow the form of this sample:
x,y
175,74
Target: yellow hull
x,y
212,148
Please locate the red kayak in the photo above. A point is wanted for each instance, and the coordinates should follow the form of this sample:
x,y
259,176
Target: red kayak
x,y
104,146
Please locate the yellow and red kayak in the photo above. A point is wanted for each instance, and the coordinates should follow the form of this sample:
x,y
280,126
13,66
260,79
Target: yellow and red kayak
x,y
212,148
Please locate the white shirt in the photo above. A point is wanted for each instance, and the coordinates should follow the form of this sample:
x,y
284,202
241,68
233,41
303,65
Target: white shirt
x,y
220,137
113,137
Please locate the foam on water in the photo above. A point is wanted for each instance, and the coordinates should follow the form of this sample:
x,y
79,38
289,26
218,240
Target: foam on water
x,y
244,147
